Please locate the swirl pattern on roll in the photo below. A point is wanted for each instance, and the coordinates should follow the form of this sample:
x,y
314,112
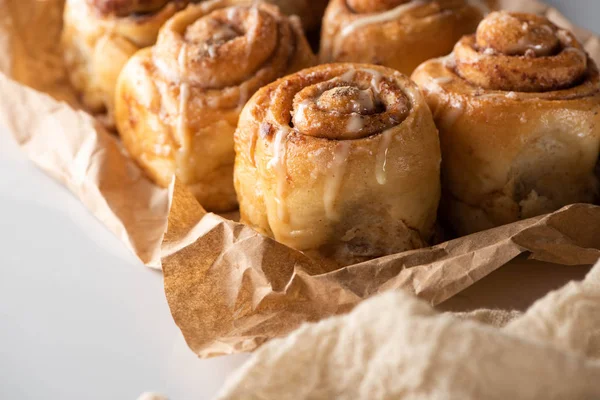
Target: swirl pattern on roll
x,y
521,53
178,102
98,38
517,105
340,161
400,34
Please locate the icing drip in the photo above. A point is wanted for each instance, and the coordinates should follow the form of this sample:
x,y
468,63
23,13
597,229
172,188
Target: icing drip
x,y
454,112
376,78
279,165
355,123
381,159
383,17
364,102
300,113
442,80
347,76
434,85
334,180
371,19
182,127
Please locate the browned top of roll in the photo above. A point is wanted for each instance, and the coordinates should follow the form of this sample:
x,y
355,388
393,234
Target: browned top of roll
x,y
356,104
221,47
128,7
337,102
521,52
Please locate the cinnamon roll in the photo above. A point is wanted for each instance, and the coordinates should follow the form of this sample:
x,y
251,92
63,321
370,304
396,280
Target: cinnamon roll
x,y
518,109
399,34
99,36
178,103
341,161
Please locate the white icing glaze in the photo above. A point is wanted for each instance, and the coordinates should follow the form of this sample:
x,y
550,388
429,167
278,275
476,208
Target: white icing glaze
x,y
364,102
489,96
453,113
171,74
442,80
278,164
370,19
381,159
182,127
376,78
355,123
333,182
383,17
511,95
232,13
347,76
433,85
300,112
449,61
525,44
564,37
212,51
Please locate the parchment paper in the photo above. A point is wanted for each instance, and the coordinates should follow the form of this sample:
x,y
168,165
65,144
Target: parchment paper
x,y
229,288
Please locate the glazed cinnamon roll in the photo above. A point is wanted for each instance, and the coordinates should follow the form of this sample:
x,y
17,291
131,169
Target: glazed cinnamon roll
x,y
399,34
518,109
99,36
178,103
340,161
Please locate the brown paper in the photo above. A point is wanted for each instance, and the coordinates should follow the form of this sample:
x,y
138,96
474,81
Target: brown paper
x,y
229,288
396,347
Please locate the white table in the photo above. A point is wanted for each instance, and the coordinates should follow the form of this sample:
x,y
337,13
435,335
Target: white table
x,y
80,317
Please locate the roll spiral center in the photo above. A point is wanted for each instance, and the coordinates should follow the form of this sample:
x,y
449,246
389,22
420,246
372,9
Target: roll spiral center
x,y
522,53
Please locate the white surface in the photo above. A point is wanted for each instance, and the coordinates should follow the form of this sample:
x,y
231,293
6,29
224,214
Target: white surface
x,y
80,318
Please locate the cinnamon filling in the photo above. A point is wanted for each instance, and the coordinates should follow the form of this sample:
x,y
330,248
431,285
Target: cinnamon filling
x,y
349,107
522,53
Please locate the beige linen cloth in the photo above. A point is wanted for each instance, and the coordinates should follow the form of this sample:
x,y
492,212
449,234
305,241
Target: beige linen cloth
x,y
395,346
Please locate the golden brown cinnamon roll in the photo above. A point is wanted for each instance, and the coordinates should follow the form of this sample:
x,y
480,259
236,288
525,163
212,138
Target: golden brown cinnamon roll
x,y
517,106
399,34
178,103
99,36
340,161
